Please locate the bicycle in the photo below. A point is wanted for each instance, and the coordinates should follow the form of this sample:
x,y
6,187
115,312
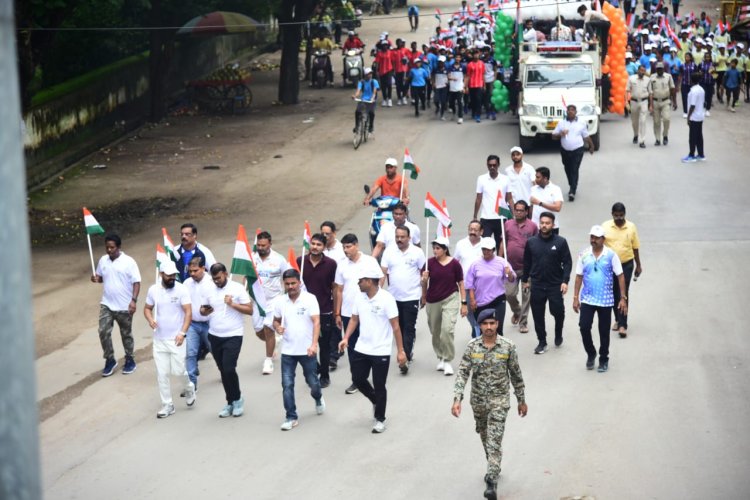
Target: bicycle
x,y
361,132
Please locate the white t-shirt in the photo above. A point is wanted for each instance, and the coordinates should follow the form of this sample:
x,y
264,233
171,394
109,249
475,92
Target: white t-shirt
x,y
297,319
336,252
697,97
375,330
198,292
577,130
387,234
270,271
404,270
347,275
547,194
169,312
226,321
466,253
488,188
118,277
521,182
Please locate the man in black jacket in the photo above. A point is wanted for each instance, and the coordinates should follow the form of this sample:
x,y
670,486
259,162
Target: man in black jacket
x,y
547,261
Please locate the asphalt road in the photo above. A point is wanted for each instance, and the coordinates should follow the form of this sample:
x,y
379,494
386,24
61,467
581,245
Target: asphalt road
x,y
668,421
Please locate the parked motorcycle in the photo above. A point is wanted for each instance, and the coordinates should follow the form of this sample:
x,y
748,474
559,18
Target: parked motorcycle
x,y
321,61
384,206
353,67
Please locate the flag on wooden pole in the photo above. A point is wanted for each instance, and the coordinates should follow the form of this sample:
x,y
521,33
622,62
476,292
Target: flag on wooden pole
x,y
242,264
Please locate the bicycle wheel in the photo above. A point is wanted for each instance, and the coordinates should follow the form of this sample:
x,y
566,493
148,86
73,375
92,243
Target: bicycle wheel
x,y
357,140
363,127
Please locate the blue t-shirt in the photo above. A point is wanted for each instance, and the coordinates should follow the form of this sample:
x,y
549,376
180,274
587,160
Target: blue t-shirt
x,y
432,60
732,78
418,76
631,68
413,10
598,276
645,61
368,88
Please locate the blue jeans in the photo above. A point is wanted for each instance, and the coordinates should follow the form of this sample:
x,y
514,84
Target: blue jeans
x,y
197,337
288,372
475,331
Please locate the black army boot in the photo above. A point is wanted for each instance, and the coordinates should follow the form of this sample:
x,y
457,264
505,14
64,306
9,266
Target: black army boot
x,y
491,492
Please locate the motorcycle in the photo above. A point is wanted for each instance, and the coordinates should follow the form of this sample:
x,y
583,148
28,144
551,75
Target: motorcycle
x,y
321,60
353,67
384,206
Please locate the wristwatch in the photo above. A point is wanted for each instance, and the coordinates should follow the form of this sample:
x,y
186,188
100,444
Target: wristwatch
x,y
541,204
463,302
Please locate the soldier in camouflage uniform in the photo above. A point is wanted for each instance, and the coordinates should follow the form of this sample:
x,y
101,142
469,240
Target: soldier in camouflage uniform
x,y
493,363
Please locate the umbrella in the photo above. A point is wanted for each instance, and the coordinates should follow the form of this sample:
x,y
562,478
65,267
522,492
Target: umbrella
x,y
219,23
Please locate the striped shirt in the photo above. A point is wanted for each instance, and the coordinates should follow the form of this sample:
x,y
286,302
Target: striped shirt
x,y
687,73
706,67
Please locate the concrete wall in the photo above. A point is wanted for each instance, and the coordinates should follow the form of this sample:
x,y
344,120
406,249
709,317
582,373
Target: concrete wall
x,y
66,129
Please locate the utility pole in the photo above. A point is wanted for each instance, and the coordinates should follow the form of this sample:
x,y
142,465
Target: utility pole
x,y
19,437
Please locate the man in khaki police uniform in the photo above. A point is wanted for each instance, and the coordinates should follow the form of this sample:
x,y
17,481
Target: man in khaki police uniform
x,y
661,95
638,88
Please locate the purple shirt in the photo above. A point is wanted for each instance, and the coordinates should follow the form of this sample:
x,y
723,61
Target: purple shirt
x,y
444,279
319,281
516,236
487,279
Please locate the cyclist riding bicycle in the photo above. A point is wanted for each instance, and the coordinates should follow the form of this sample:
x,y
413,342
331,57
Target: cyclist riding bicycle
x,y
367,91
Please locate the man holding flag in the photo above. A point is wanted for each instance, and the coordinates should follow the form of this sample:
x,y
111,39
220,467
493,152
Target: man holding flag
x,y
390,184
494,195
122,283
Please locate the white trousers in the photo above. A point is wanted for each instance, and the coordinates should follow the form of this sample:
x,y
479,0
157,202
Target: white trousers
x,y
170,360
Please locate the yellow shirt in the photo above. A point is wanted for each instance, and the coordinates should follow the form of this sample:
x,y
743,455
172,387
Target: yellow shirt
x,y
623,240
721,61
324,44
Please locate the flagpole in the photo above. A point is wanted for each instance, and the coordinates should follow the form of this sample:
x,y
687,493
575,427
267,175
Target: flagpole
x,y
302,267
502,231
401,193
427,232
91,254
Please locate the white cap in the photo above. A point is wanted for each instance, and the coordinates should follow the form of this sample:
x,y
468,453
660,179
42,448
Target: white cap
x,y
441,240
710,43
441,59
673,49
740,46
721,45
168,268
488,243
391,161
516,149
597,231
628,55
644,31
699,40
655,26
351,32
684,31
371,271
368,71
652,58
647,46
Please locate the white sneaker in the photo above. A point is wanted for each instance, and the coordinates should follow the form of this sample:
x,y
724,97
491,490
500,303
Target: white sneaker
x,y
190,395
378,428
708,113
320,406
460,121
288,425
448,369
390,103
684,115
398,102
166,410
384,103
268,366
440,366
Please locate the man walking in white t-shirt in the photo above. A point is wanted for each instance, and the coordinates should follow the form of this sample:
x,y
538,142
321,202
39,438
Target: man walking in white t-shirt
x,y
296,316
168,312
122,282
376,314
494,191
347,276
545,197
403,265
199,285
467,251
225,306
521,175
574,139
270,266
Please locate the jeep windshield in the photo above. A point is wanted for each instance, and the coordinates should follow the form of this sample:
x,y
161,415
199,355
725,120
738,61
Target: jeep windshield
x,y
559,75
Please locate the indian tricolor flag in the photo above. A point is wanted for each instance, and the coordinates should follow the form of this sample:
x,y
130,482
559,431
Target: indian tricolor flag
x,y
255,241
92,226
292,259
410,165
242,264
433,209
169,246
501,206
161,256
441,229
306,237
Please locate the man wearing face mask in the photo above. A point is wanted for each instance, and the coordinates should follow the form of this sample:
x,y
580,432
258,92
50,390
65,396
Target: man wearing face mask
x,y
168,312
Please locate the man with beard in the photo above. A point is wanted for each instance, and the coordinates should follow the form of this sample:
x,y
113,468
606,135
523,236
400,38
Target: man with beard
x,y
319,277
169,303
224,306
199,286
270,266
